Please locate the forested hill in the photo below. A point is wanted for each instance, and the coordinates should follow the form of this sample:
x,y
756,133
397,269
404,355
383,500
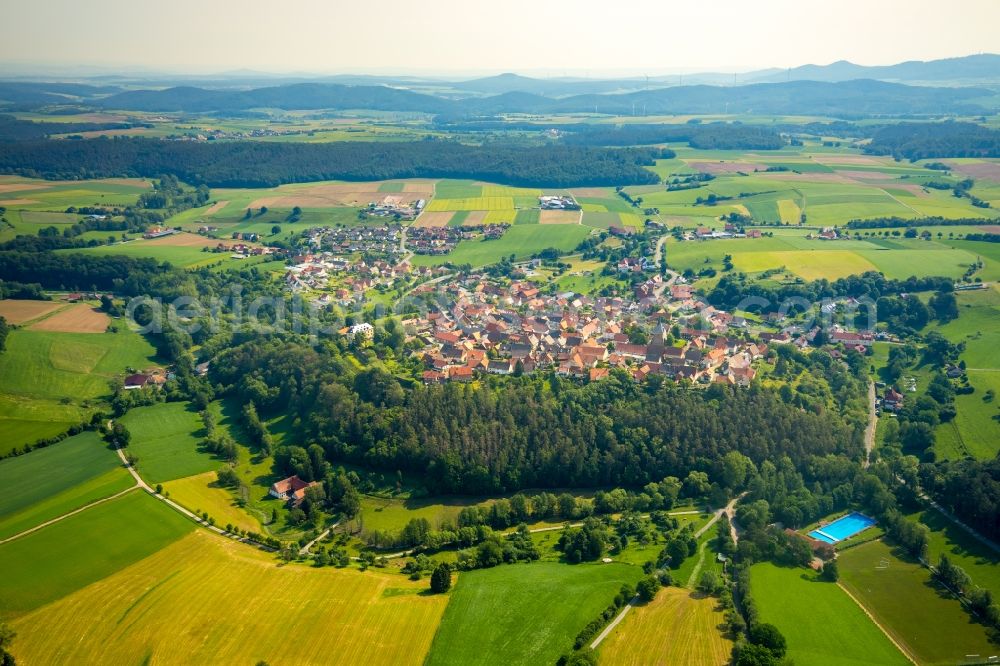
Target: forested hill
x,y
261,164
915,141
845,99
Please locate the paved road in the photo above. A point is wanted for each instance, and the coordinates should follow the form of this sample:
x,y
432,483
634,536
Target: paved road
x,y
872,422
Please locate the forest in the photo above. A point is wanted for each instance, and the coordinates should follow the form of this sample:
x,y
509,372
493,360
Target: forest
x,y
917,141
260,164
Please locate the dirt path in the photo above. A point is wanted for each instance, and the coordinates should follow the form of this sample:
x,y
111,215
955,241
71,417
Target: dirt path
x,y
67,515
871,617
872,423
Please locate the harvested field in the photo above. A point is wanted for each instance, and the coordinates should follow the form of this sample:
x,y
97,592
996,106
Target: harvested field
x,y
17,202
808,177
216,207
857,160
434,219
20,187
560,217
475,218
79,318
979,170
591,192
18,312
312,200
716,168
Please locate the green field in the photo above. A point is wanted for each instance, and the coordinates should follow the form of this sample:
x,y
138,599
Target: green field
x,y
49,380
71,554
521,240
49,482
524,613
933,628
205,599
165,439
821,623
980,562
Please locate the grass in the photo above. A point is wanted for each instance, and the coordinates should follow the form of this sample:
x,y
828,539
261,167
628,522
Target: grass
x,y
981,563
521,240
202,492
165,439
49,482
71,554
821,623
933,628
677,627
524,613
205,599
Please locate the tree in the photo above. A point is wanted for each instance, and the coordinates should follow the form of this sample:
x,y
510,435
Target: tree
x,y
441,579
768,636
830,571
275,230
119,436
748,654
647,588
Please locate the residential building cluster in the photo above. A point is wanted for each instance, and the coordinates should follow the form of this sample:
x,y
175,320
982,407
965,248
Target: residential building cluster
x,y
384,240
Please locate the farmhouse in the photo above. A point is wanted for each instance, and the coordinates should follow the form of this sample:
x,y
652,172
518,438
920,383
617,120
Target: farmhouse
x,y
293,489
158,232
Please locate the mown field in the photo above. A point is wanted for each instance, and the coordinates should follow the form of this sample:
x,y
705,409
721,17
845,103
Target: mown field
x,y
821,623
979,561
677,627
51,380
521,241
202,493
931,627
49,482
204,599
165,439
69,555
525,613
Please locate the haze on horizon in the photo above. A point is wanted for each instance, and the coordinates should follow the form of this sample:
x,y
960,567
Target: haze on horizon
x,y
549,37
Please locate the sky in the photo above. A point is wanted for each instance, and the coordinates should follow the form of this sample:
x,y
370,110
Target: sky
x,y
541,37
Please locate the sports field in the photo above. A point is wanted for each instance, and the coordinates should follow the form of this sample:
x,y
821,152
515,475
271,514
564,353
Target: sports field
x,y
524,613
49,482
677,627
898,594
82,549
165,439
821,623
205,599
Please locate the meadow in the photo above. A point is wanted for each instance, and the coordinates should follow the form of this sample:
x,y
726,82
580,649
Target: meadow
x,y
69,555
204,599
821,623
202,493
524,613
49,482
903,601
166,439
945,538
521,241
51,380
677,627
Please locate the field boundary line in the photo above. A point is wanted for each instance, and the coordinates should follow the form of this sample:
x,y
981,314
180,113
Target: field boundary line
x,y
68,515
615,622
904,652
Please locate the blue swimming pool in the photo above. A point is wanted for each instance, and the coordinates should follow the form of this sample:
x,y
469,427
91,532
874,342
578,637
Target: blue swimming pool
x,y
842,528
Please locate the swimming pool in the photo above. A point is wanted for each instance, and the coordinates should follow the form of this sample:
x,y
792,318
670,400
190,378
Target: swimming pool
x,y
842,528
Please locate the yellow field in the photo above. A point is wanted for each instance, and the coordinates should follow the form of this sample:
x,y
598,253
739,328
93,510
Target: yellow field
x,y
676,628
808,264
505,191
207,600
500,216
472,203
789,211
594,208
194,493
631,220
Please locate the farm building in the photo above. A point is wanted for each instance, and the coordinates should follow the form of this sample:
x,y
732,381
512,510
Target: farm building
x,y
293,489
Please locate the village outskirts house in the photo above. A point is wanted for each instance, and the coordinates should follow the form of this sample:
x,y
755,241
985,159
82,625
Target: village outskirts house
x,y
292,490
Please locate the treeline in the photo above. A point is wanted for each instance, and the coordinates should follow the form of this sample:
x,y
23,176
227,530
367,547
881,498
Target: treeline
x,y
122,275
968,488
12,129
894,222
917,141
712,136
266,164
733,290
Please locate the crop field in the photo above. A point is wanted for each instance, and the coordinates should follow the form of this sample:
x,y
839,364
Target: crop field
x,y
165,439
183,250
500,216
432,219
524,613
521,240
69,555
675,628
472,203
78,318
205,599
22,311
980,562
48,482
821,623
903,602
559,217
201,493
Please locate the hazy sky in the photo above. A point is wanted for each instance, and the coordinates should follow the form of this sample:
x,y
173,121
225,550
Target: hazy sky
x,y
537,36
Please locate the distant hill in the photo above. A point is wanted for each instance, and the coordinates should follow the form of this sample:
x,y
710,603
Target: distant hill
x,y
974,68
508,83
